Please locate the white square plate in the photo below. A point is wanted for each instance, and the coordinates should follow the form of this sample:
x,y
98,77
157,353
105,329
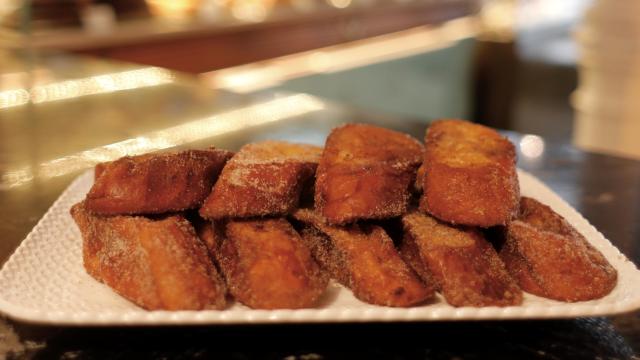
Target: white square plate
x,y
44,282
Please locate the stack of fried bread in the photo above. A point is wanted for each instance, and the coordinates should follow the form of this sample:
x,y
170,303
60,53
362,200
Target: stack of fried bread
x,y
375,210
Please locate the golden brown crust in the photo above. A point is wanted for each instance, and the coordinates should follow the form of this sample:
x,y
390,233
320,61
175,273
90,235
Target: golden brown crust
x,y
156,264
330,259
470,175
417,185
365,173
410,253
262,179
267,266
466,267
363,259
155,183
550,258
98,169
111,254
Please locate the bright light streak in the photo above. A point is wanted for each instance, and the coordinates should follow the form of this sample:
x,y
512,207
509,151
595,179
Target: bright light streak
x,y
172,9
100,84
227,122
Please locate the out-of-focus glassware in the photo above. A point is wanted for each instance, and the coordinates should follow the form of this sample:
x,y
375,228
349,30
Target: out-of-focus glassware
x,y
606,101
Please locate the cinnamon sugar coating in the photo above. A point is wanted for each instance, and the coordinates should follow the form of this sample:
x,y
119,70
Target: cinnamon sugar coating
x,y
363,258
255,282
155,183
465,266
366,172
467,181
266,265
549,258
470,175
156,264
262,179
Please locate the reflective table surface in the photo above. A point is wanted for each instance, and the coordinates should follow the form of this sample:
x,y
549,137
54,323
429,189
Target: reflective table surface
x,y
59,115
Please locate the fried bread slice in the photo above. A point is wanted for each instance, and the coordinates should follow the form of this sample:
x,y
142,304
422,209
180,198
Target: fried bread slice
x,y
156,264
155,183
365,172
363,258
465,266
470,175
267,266
264,178
549,258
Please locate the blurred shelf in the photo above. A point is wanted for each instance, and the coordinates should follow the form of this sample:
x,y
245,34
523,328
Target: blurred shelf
x,y
200,45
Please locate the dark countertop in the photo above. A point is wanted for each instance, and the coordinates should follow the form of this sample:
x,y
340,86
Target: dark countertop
x,y
605,189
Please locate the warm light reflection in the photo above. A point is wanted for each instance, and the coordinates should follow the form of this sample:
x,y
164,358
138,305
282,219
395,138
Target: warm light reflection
x,y
17,80
7,7
273,72
173,9
532,146
100,84
251,10
498,19
230,121
320,61
248,80
340,4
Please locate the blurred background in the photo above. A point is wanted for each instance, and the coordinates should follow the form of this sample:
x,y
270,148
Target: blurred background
x,y
565,70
